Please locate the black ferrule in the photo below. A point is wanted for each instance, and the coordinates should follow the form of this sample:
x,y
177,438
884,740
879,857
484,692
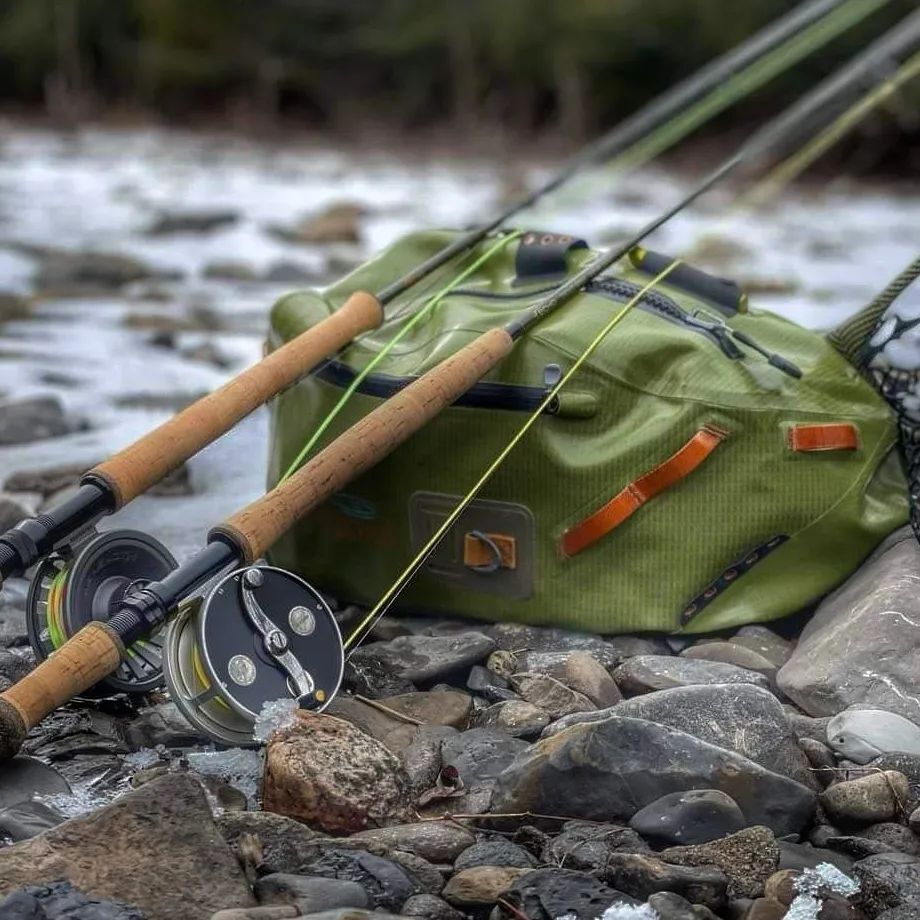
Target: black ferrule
x,y
35,537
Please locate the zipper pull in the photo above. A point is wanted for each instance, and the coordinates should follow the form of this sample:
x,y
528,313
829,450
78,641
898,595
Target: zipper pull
x,y
720,332
773,359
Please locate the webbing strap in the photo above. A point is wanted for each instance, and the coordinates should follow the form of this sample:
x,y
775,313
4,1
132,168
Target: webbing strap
x,y
627,502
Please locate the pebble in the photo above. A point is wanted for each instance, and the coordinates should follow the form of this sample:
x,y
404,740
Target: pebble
x,y
438,842
35,419
283,844
481,886
747,858
548,894
822,760
430,907
895,835
60,900
517,718
765,642
732,653
588,846
867,800
481,754
422,659
586,675
641,875
310,894
646,673
888,880
862,735
696,816
670,906
333,777
198,222
497,852
550,694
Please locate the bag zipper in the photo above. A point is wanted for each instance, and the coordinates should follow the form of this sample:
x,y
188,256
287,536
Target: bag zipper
x,y
484,395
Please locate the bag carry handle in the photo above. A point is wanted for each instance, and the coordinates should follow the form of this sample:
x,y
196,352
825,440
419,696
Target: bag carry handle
x,y
627,502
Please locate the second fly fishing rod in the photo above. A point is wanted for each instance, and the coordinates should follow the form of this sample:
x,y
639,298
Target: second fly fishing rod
x,y
263,634
117,481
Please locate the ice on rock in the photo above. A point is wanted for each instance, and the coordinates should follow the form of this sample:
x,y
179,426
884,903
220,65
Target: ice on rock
x,y
240,767
275,715
629,912
808,902
140,760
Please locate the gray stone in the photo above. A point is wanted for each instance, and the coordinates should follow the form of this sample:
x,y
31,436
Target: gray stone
x,y
156,847
529,640
588,846
282,844
285,271
435,841
862,735
423,659
646,673
670,906
547,894
24,777
310,894
26,819
641,875
421,758
765,642
430,907
480,754
867,800
732,653
697,816
480,886
908,764
517,718
15,663
748,858
862,644
60,900
61,272
799,856
495,852
586,675
886,881
896,836
387,883
807,726
607,771
550,694
200,221
34,419
822,760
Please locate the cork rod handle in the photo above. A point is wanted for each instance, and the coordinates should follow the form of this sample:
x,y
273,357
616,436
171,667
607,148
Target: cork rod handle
x,y
93,653
145,462
259,525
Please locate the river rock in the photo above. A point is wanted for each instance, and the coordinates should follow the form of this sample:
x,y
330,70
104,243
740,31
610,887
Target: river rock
x,y
61,272
495,852
283,844
310,894
13,306
517,718
430,907
670,906
436,707
338,223
646,673
34,419
156,847
24,777
697,816
588,846
62,901
548,894
333,777
387,883
765,642
886,881
550,694
27,819
732,653
586,675
286,271
199,221
527,640
862,735
822,760
641,875
14,509
480,886
607,771
868,799
438,842
862,645
747,858
421,759
16,663
488,684
480,754
423,659
800,856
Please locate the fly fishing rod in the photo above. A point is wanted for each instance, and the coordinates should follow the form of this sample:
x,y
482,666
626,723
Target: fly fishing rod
x,y
263,634
82,575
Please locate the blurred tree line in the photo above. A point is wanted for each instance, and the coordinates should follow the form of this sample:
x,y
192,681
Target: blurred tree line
x,y
524,64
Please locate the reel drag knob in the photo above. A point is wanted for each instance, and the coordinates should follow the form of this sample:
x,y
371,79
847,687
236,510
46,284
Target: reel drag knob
x,y
80,584
261,635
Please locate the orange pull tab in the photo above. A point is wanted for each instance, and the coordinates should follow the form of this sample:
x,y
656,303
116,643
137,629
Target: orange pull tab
x,y
834,436
489,550
637,493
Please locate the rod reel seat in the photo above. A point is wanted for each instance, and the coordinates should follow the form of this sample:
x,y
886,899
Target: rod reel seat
x,y
260,635
85,581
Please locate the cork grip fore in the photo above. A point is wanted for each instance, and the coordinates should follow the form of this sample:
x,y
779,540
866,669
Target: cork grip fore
x,y
93,653
259,525
145,462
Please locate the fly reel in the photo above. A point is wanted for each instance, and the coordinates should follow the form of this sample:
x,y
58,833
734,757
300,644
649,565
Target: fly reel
x,y
261,635
78,584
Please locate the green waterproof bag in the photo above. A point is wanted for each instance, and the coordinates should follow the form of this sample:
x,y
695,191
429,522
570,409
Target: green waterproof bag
x,y
684,479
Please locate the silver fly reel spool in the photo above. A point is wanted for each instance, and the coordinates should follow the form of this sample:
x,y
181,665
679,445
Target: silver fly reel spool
x,y
262,634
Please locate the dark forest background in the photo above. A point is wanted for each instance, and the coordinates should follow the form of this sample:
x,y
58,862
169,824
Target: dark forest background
x,y
475,68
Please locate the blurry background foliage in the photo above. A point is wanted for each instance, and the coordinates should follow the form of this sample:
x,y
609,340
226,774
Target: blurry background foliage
x,y
484,69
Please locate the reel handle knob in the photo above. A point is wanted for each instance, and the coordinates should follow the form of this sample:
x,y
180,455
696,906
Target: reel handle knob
x,y
92,654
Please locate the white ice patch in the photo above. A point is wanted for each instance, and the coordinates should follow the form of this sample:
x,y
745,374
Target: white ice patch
x,y
240,767
140,760
628,912
807,904
275,715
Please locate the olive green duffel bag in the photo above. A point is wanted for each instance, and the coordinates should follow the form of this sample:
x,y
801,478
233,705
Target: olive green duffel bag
x,y
685,479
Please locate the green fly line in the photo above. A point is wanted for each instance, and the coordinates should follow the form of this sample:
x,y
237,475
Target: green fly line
x,y
381,606
416,320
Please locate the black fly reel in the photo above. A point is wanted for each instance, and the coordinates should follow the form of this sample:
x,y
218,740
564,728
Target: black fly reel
x,y
260,635
86,581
